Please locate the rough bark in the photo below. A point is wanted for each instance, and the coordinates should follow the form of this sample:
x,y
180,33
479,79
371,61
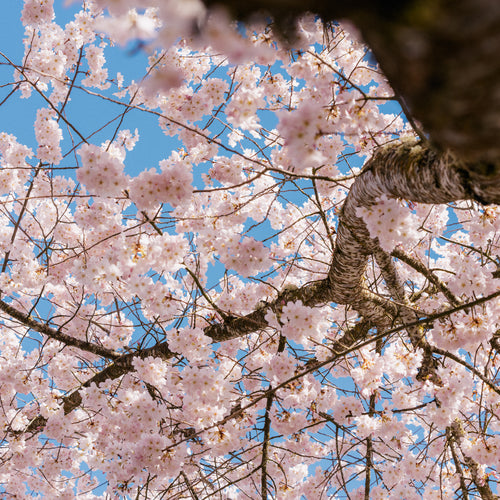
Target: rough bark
x,y
441,57
407,170
455,434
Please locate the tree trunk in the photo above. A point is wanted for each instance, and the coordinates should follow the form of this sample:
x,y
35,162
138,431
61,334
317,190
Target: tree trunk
x,y
440,56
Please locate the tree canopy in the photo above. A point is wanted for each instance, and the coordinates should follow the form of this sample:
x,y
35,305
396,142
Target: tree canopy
x,y
236,269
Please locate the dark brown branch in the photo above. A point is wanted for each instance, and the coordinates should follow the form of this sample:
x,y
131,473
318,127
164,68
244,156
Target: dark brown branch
x,y
406,170
54,334
369,450
480,481
189,486
265,446
416,333
420,267
234,327
460,361
341,347
456,460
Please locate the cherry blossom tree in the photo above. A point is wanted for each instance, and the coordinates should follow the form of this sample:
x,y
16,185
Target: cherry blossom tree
x,y
298,300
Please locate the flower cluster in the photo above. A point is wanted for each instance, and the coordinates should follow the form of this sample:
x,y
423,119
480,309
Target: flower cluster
x,y
49,135
166,251
205,395
101,172
13,172
391,222
97,73
301,129
191,343
242,109
247,257
302,324
227,171
37,12
172,185
129,24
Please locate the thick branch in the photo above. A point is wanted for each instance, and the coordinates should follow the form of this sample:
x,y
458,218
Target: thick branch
x,y
234,327
456,434
406,170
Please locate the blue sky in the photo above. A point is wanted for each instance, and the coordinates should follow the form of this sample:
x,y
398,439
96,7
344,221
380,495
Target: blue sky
x,y
87,113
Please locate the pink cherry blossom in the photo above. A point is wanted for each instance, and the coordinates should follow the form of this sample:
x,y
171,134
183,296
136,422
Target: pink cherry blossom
x,y
212,284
